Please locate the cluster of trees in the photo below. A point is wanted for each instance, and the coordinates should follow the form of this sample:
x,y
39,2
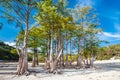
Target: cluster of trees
x,y
63,30
108,52
58,33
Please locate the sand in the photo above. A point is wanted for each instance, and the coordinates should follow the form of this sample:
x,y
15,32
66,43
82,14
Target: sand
x,y
105,70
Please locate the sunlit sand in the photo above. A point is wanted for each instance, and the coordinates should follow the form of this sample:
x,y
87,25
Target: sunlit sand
x,y
104,70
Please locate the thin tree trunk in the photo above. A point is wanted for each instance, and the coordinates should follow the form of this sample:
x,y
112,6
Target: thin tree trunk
x,y
35,58
62,60
91,59
23,59
48,54
37,62
54,64
66,64
51,51
79,63
87,63
33,61
57,56
70,52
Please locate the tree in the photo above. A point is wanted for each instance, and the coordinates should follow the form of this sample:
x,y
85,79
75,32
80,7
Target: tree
x,y
85,33
21,15
55,21
35,40
47,17
79,16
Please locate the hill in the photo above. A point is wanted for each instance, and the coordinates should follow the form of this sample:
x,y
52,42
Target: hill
x,y
109,52
7,52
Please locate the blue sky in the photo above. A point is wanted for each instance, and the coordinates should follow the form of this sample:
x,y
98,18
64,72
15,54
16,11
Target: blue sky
x,y
108,12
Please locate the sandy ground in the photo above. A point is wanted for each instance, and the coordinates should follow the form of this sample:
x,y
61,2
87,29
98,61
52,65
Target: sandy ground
x,y
106,70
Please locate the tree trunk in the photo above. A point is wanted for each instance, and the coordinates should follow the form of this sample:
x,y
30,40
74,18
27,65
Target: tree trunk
x,y
66,63
47,65
54,63
53,67
23,60
51,51
79,63
87,63
37,62
91,59
35,58
70,52
62,61
22,67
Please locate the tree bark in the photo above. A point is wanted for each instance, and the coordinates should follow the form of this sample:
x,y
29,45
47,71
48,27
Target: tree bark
x,y
47,65
23,59
70,52
22,67
91,59
53,67
79,61
66,63
51,51
62,61
35,58
54,63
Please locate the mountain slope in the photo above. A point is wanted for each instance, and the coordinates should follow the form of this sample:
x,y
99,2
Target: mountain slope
x,y
6,52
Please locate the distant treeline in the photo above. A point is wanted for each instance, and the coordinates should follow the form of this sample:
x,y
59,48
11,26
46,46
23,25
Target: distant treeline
x,y
7,52
108,52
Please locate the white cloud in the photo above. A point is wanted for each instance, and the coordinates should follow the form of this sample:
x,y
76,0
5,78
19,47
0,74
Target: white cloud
x,y
13,44
110,38
10,43
111,35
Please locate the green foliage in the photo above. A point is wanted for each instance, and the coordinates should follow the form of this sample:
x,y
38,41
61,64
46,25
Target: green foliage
x,y
7,52
41,57
30,56
13,51
15,11
56,21
115,50
108,52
